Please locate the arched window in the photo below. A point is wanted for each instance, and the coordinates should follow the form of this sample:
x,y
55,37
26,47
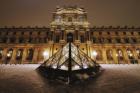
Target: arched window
x,y
9,54
57,38
69,19
21,40
94,39
100,33
109,40
39,33
109,54
134,40
29,40
118,40
81,18
138,52
14,33
30,53
45,39
129,53
19,54
69,37
58,18
126,40
12,40
1,41
1,53
82,39
22,33
119,54
30,33
108,33
99,55
39,40
4,39
101,40
116,33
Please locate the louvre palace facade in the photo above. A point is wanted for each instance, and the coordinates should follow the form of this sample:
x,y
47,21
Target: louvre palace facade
x,y
107,45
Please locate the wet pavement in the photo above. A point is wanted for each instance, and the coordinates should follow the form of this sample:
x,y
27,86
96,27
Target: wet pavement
x,y
113,79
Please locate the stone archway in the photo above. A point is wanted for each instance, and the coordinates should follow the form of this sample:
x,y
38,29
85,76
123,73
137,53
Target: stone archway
x,y
130,53
19,55
120,56
30,53
9,55
109,54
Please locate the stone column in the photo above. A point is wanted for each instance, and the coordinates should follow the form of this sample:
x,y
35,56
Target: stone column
x,y
76,34
88,44
52,35
89,35
35,55
125,55
39,54
135,54
65,35
90,50
62,34
104,55
4,55
13,61
24,55
49,36
114,56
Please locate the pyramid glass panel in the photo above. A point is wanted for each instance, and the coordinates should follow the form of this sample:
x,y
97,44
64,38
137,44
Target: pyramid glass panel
x,y
69,53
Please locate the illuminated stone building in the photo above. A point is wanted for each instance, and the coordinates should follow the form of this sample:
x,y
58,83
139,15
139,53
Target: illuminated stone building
x,y
111,45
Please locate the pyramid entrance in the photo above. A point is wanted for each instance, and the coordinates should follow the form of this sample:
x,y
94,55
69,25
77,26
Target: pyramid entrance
x,y
69,64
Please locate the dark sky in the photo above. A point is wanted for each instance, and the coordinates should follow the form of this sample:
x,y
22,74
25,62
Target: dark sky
x,y
39,12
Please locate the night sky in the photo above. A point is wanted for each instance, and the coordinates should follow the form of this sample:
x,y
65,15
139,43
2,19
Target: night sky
x,y
39,12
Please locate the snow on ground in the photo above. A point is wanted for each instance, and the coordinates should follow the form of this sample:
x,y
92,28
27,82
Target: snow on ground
x,y
121,78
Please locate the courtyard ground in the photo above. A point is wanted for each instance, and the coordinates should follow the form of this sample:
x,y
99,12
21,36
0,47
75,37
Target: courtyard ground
x,y
113,79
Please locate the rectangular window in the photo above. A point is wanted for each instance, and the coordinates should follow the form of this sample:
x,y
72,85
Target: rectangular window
x,y
100,33
124,33
82,39
57,39
116,33
108,33
132,33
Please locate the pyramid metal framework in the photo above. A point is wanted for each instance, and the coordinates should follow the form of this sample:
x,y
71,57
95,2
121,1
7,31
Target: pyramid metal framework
x,y
69,64
70,58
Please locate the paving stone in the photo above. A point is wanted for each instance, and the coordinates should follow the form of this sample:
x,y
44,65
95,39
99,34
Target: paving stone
x,y
122,78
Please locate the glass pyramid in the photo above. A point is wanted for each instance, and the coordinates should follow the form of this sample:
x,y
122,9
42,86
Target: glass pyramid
x,y
69,58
